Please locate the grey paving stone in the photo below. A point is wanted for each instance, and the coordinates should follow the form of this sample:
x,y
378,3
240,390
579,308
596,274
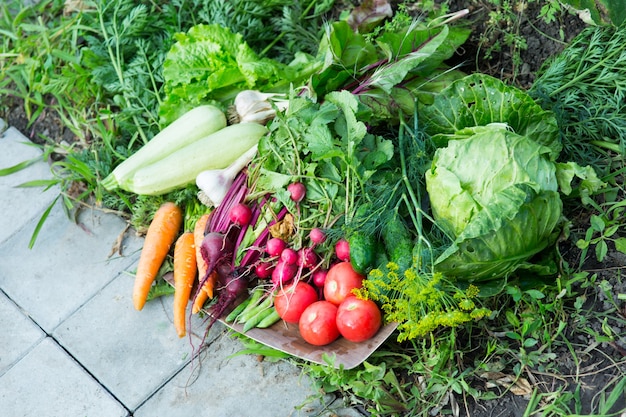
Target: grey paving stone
x,y
27,203
19,333
222,385
68,264
132,353
47,382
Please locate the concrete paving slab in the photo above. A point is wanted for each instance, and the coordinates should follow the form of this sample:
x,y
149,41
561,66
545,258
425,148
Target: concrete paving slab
x,y
68,265
222,385
18,334
27,202
132,353
48,382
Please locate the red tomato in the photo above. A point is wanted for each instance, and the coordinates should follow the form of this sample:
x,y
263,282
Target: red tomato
x,y
291,301
318,323
341,279
358,320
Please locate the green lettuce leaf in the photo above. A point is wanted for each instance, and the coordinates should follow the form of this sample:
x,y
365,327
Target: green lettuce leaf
x,y
210,63
478,100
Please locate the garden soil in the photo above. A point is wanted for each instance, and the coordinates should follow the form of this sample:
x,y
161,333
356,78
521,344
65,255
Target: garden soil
x,y
588,364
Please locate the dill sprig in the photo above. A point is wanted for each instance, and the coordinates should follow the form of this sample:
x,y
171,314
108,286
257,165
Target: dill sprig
x,y
585,87
420,302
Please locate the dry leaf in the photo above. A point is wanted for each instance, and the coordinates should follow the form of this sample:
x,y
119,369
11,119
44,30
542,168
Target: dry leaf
x,y
283,229
519,386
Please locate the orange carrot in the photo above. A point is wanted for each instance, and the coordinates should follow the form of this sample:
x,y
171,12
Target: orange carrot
x,y
185,269
205,293
207,289
198,233
161,235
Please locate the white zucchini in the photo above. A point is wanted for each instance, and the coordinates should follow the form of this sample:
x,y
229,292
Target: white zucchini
x,y
215,151
195,124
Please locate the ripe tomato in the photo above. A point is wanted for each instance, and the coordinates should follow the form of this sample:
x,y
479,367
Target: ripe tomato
x,y
291,301
341,279
358,320
318,323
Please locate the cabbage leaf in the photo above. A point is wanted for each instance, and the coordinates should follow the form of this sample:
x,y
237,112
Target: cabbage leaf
x,y
495,193
479,100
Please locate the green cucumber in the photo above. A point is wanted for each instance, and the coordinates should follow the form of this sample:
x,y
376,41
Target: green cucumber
x,y
398,242
362,251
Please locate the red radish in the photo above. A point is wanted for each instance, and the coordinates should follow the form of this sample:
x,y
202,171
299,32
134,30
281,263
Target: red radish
x,y
283,273
342,250
264,270
307,257
240,214
317,236
289,256
297,190
275,246
319,277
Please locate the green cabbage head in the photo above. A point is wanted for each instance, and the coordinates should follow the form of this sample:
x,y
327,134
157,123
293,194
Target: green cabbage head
x,y
495,193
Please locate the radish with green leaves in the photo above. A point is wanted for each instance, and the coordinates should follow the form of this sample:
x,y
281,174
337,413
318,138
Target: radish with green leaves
x,y
297,190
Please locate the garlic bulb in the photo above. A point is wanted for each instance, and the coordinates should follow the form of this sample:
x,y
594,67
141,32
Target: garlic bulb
x,y
254,106
215,183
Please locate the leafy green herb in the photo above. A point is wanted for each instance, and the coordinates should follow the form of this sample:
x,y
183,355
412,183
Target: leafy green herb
x,y
583,87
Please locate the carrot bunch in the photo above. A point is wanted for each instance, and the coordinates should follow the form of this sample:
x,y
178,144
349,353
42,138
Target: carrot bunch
x,y
163,232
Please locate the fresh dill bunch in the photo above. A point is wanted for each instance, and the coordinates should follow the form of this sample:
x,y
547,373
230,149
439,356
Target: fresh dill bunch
x,y
584,86
420,302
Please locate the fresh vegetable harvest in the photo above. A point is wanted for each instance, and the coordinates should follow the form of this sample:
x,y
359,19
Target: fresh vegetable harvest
x,y
162,233
191,126
215,151
185,270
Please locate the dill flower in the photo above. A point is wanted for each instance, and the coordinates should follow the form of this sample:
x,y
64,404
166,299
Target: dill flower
x,y
420,302
467,304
